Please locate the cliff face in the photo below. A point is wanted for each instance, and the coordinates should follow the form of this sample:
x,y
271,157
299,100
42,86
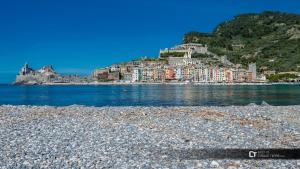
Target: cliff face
x,y
33,79
271,39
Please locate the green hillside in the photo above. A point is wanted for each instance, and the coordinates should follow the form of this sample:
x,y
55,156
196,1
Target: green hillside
x,y
271,39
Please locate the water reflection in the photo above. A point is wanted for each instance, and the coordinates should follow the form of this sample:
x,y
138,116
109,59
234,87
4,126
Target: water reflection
x,y
150,95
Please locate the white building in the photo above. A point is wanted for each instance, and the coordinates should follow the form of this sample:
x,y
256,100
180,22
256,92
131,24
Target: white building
x,y
205,75
222,75
178,73
114,68
136,74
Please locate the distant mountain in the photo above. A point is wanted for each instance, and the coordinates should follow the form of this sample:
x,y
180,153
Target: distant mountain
x,y
271,39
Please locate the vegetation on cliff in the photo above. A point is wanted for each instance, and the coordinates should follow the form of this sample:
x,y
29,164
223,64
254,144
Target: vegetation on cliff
x,y
281,77
173,54
271,39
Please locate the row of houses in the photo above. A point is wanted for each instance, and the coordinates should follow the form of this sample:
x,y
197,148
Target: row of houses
x,y
180,63
192,74
160,72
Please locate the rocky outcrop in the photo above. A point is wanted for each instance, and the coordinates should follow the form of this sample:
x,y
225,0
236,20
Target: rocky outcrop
x,y
29,76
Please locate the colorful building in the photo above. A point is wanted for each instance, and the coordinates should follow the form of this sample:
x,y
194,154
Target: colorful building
x,y
136,74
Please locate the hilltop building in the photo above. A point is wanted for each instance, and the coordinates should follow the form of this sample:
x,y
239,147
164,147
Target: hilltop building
x,y
26,70
28,75
186,49
47,70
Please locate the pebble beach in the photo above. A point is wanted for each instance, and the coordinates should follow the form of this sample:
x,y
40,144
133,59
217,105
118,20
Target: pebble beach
x,y
135,137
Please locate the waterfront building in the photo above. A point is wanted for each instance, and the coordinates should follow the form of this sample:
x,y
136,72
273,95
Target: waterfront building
x,y
169,73
150,74
210,74
143,74
252,69
186,73
198,75
191,73
136,74
113,76
242,76
249,76
219,74
156,74
127,77
216,74
235,75
228,75
147,74
178,73
161,75
222,75
204,74
101,74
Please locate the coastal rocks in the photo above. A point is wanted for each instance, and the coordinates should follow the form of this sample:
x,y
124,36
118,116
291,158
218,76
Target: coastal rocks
x,y
252,104
214,164
142,137
264,103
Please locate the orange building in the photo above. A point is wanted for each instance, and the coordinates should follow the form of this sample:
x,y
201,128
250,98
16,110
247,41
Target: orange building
x,y
228,75
170,74
249,76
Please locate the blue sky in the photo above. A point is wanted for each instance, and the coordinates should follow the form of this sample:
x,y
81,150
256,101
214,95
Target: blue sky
x,y
77,36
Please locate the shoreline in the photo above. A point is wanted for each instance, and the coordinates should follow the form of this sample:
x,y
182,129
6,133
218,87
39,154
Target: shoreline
x,y
251,105
158,83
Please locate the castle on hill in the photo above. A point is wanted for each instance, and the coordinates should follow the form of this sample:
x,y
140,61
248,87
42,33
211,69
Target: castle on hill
x,y
31,76
187,50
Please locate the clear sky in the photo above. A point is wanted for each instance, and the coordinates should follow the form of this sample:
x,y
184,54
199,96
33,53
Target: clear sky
x,y
77,36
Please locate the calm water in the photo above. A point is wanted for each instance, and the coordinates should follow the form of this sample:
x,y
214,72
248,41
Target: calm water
x,y
151,95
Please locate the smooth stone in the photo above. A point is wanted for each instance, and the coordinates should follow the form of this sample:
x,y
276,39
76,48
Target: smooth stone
x,y
214,164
